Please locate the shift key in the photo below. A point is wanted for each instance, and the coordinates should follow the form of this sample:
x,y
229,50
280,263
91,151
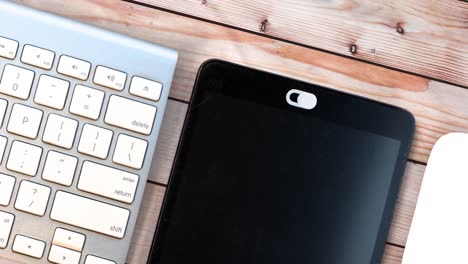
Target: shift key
x,y
90,214
131,115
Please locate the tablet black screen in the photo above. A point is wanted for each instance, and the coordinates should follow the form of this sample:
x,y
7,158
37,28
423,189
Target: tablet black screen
x,y
256,183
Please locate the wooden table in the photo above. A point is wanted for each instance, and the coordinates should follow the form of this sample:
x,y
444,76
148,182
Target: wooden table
x,y
409,53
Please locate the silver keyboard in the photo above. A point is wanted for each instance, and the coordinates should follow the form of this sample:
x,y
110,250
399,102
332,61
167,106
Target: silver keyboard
x,y
80,113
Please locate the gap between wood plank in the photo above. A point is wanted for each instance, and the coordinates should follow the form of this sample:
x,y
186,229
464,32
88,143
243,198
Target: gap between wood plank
x,y
156,183
290,42
178,100
393,244
417,162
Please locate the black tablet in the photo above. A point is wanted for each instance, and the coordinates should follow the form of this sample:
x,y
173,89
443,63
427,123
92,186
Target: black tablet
x,y
274,170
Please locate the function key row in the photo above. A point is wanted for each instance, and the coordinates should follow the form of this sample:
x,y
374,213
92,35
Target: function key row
x,y
68,66
72,67
38,57
17,82
52,92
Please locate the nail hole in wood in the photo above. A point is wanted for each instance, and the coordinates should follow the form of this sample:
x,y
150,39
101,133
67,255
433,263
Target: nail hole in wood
x,y
400,30
203,2
353,49
263,25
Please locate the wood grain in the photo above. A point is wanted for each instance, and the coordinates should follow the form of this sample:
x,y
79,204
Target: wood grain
x,y
392,255
167,142
146,224
406,204
439,108
433,40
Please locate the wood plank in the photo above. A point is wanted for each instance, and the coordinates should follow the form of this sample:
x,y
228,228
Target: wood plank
x,y
439,108
433,40
406,204
146,224
167,143
392,255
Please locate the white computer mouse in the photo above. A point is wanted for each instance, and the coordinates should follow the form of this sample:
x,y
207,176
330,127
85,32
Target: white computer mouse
x,y
439,231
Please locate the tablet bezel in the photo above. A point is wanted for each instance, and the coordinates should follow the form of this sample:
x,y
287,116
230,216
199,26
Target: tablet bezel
x,y
220,77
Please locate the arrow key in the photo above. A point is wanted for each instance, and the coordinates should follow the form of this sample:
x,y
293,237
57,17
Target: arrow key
x,y
68,239
110,78
29,246
62,255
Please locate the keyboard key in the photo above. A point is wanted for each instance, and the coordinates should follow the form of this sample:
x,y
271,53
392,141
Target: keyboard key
x,y
32,198
3,108
51,92
38,57
110,78
95,141
24,158
25,121
90,214
7,183
146,88
130,151
62,255
60,131
131,115
87,102
16,82
96,260
73,67
68,239
3,143
111,183
8,48
29,246
59,168
6,224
